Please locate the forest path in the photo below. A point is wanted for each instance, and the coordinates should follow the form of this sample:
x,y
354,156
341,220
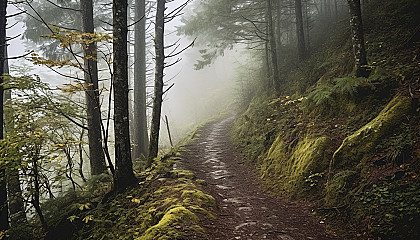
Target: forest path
x,y
245,210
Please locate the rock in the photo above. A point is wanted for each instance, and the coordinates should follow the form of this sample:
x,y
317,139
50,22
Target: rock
x,y
359,147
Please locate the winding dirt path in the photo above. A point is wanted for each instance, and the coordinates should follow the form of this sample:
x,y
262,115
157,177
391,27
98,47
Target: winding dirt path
x,y
245,210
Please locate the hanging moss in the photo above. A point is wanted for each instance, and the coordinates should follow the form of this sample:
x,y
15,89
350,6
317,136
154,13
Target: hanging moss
x,y
359,147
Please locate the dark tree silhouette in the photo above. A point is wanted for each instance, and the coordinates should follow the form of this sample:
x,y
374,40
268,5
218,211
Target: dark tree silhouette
x,y
96,153
4,224
124,175
358,38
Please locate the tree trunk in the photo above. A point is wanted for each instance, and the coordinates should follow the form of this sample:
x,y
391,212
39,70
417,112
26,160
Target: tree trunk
x,y
37,190
335,10
307,28
358,39
16,204
278,27
14,190
158,91
4,224
124,175
273,48
140,117
267,66
96,153
299,31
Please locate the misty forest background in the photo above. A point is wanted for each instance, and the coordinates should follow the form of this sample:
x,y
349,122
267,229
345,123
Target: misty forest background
x,y
101,96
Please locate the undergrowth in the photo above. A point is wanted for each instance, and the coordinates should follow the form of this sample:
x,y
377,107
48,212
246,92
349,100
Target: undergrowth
x,y
372,123
166,204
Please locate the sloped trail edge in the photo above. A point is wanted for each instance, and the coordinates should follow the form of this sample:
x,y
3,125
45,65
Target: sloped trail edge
x,y
244,209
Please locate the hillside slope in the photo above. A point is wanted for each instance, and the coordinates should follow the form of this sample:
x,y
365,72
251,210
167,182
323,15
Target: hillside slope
x,y
349,144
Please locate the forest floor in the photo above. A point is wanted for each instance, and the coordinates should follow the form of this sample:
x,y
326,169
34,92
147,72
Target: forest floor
x,y
244,209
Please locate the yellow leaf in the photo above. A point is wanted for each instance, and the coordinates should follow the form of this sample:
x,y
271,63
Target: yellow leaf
x,y
84,206
87,218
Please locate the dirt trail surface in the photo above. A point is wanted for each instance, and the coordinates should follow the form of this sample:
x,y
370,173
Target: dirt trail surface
x,y
245,210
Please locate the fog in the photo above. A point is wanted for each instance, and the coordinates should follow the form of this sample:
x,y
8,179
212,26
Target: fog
x,y
196,97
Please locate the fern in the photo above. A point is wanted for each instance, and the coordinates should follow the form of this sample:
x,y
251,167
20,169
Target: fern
x,y
349,86
321,95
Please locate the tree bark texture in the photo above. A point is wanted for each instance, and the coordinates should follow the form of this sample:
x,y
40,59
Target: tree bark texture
x,y
124,176
140,117
158,90
358,38
273,47
299,31
4,224
96,153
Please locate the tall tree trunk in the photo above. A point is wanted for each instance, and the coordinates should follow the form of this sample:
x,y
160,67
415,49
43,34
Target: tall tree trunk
x,y
307,28
14,190
140,117
16,204
96,153
335,10
358,38
299,31
278,28
124,175
273,48
37,189
4,215
160,61
269,83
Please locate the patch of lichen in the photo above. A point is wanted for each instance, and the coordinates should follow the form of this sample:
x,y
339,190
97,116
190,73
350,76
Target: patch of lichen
x,y
167,204
358,147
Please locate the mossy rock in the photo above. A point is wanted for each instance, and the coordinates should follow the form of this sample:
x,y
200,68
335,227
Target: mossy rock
x,y
338,188
359,147
166,228
290,166
197,197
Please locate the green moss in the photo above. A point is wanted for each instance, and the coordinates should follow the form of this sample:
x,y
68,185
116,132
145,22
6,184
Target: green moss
x,y
166,205
360,146
201,211
338,188
197,197
288,168
165,228
182,174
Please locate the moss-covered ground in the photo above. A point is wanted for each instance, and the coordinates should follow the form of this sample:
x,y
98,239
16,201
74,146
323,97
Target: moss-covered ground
x,y
350,145
166,204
